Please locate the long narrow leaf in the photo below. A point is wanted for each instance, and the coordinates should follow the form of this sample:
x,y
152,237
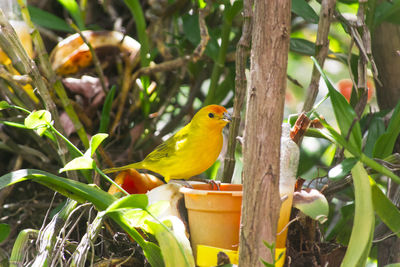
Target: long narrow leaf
x,y
364,220
304,10
73,9
105,113
385,143
385,209
76,190
82,192
48,20
344,113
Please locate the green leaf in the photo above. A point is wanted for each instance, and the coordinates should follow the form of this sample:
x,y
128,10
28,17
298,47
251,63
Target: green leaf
x,y
342,169
76,190
364,220
375,130
387,11
136,201
137,13
95,141
4,105
302,46
79,163
385,209
304,10
73,9
344,113
105,113
191,28
4,231
385,143
82,192
342,229
202,3
38,121
174,244
48,20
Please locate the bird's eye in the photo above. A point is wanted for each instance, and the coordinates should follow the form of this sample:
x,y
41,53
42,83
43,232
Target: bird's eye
x,y
210,115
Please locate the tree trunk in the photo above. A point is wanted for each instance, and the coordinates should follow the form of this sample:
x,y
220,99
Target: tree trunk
x,y
385,46
265,100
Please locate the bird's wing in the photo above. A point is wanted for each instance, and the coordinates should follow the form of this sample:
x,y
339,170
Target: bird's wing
x,y
169,148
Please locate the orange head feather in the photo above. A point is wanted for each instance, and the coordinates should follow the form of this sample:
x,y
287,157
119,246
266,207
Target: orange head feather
x,y
212,116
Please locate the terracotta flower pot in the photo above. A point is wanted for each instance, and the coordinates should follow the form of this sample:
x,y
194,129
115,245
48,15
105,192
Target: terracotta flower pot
x,y
214,216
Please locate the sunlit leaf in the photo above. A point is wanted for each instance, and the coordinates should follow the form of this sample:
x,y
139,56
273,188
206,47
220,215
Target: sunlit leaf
x,y
139,201
80,163
342,169
95,141
174,244
4,105
73,9
38,121
82,192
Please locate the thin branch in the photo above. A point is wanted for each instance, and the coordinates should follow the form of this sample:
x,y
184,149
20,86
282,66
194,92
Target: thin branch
x,y
240,90
321,50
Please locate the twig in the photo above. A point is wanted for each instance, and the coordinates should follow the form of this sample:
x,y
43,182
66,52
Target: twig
x,y
240,90
321,50
198,52
194,90
362,61
126,85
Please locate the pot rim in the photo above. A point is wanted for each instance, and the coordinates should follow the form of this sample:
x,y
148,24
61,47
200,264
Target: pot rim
x,y
193,191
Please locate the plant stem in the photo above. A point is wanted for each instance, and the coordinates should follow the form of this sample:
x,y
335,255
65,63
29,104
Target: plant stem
x,y
321,50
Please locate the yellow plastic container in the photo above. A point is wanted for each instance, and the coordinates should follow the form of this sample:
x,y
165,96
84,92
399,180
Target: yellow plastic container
x,y
208,256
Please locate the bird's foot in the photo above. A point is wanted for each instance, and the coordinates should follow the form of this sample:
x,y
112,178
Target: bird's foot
x,y
213,183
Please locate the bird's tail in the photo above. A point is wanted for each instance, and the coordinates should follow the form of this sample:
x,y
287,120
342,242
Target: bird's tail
x,y
136,165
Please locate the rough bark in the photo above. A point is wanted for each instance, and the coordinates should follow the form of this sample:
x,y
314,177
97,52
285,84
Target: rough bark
x,y
385,49
265,100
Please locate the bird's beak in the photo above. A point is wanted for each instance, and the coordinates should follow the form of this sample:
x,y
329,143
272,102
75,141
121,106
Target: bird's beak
x,y
226,117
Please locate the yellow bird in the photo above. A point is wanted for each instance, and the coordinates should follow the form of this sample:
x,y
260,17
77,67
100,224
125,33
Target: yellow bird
x,y
189,152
